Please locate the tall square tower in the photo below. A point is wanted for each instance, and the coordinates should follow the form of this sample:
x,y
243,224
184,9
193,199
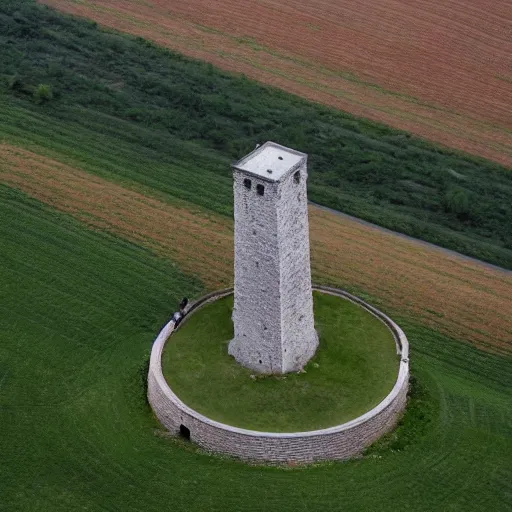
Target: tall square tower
x,y
273,308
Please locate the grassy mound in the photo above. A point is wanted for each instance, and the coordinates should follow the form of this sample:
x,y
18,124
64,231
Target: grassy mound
x,y
354,368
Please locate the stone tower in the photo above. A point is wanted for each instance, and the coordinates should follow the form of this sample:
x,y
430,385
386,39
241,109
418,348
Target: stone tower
x,y
273,308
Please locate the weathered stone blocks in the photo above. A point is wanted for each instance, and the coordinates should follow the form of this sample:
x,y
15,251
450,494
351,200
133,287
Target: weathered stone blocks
x,y
339,442
273,304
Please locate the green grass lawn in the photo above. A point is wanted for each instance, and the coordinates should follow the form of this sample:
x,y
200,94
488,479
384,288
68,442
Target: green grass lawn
x,y
354,368
78,314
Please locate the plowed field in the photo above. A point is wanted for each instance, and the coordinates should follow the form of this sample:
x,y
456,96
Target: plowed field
x,y
441,70
458,297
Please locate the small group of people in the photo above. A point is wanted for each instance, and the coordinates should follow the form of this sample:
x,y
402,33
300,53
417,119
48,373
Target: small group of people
x,y
179,315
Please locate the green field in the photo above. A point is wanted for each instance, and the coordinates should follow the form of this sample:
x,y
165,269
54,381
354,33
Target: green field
x,y
79,308
354,368
125,109
79,311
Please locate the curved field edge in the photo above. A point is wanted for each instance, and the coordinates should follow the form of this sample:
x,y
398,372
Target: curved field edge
x,y
79,312
443,74
458,297
128,110
352,371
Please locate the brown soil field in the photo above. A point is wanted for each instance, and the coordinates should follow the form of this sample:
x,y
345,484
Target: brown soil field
x,y
441,70
458,297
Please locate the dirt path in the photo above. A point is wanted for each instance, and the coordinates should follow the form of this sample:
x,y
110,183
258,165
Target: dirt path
x,y
448,252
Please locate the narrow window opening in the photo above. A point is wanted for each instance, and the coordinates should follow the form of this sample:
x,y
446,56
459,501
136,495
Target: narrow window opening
x,y
185,432
247,183
296,177
260,361
260,189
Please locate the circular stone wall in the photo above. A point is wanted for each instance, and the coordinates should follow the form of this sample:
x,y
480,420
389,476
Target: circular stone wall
x,y
339,442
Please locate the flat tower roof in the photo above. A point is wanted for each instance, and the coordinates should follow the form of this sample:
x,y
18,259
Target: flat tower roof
x,y
270,161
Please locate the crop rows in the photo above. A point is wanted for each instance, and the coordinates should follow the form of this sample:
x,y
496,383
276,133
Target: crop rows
x,y
458,297
441,73
123,108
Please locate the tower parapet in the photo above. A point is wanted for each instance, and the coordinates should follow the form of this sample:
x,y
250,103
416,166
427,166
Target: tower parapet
x,y
273,304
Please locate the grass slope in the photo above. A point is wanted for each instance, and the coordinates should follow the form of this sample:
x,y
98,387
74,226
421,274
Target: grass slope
x,y
354,368
78,313
124,109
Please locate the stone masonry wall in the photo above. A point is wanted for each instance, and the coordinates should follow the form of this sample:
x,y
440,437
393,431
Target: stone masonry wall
x,y
273,312
257,303
339,442
299,338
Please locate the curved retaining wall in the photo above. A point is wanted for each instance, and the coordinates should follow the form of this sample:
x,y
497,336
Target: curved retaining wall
x,y
339,442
